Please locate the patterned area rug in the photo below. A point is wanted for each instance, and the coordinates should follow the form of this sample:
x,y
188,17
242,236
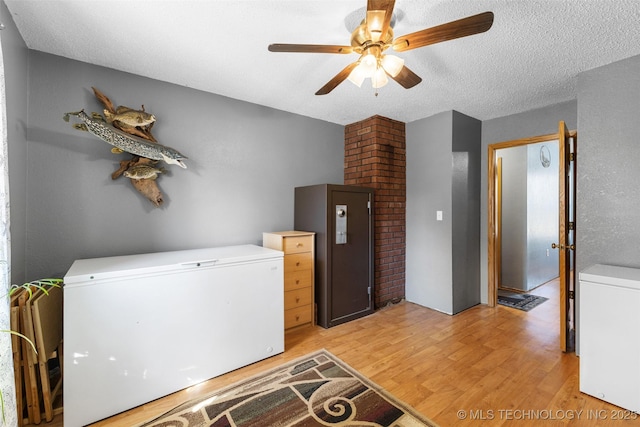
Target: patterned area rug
x,y
316,390
524,302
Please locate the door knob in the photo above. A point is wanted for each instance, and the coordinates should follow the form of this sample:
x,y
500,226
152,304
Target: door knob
x,y
554,246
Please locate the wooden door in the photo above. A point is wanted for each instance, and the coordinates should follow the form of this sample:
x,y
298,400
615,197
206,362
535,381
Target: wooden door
x,y
566,237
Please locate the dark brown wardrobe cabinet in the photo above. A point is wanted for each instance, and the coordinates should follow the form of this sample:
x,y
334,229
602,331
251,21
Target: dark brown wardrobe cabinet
x,y
342,218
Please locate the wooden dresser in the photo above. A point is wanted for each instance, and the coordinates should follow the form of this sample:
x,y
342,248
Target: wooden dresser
x,y
299,256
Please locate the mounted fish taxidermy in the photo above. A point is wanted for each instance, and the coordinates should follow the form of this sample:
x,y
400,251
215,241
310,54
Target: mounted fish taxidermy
x,y
143,171
129,130
125,142
129,117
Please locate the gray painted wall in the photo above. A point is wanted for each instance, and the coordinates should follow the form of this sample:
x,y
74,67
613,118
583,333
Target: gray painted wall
x,y
244,162
15,57
608,172
429,242
443,174
537,122
465,193
608,195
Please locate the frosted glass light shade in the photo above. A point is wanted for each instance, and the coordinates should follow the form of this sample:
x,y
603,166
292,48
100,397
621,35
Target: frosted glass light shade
x,y
369,63
379,78
392,64
357,75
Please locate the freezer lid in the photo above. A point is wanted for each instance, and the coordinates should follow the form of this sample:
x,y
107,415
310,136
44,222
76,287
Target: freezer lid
x,y
612,275
85,271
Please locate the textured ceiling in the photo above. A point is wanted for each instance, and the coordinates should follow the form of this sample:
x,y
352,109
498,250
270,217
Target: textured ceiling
x,y
529,58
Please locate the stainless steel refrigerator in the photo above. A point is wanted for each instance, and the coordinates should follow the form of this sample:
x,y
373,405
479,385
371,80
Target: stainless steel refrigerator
x,y
342,218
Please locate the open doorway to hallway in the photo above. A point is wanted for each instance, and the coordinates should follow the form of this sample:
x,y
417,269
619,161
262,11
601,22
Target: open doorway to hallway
x,y
521,256
527,216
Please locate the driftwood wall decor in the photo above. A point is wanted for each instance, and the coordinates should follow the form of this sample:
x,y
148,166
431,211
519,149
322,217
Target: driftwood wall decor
x,y
129,130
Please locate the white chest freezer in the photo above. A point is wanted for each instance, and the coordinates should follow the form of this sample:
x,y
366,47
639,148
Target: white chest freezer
x,y
610,334
140,327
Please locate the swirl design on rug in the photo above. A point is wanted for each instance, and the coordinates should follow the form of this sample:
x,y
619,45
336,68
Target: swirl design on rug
x,y
333,402
317,390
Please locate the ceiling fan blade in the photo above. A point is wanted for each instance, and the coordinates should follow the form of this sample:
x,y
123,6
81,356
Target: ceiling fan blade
x,y
461,28
339,78
406,78
379,13
309,48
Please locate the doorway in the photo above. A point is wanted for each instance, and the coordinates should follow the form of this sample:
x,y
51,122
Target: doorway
x,y
564,249
527,197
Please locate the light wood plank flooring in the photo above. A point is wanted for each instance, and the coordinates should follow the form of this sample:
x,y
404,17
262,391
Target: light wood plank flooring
x,y
501,366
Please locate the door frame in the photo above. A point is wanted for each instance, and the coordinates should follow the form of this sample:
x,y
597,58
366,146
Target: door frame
x,y
492,231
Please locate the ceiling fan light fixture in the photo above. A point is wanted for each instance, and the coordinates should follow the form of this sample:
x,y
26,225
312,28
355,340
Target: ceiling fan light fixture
x,y
357,76
392,64
379,78
374,35
369,64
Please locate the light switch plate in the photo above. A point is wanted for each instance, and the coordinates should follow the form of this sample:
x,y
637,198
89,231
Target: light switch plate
x,y
439,215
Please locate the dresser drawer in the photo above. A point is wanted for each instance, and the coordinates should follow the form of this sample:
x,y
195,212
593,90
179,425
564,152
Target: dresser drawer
x,y
296,262
297,244
297,298
297,316
297,279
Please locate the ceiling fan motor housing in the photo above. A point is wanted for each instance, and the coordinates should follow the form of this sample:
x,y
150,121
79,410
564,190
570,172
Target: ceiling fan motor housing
x,y
361,37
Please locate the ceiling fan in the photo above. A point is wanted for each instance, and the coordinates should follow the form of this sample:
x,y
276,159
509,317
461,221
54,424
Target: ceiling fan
x,y
375,35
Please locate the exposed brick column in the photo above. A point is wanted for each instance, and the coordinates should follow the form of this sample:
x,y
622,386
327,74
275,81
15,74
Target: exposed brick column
x,y
375,157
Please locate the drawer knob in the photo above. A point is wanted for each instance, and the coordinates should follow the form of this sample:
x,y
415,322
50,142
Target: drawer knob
x,y
297,317
297,281
298,245
297,299
298,264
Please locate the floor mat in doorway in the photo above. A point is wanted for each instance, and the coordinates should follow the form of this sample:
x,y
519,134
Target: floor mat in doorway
x,y
524,302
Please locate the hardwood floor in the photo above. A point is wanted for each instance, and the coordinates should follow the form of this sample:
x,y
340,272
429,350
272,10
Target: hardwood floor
x,y
485,366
